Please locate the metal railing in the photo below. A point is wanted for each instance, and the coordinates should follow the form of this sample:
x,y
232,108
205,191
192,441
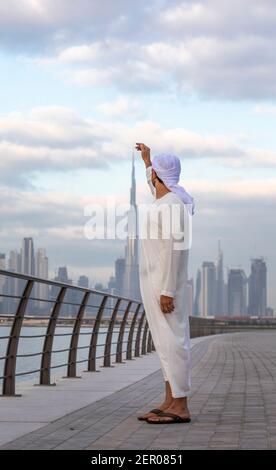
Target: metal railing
x,y
116,315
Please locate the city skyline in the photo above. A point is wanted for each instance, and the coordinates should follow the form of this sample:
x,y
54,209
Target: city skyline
x,y
194,78
210,295
114,117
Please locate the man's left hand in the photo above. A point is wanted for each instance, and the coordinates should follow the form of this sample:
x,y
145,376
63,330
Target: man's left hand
x,y
166,304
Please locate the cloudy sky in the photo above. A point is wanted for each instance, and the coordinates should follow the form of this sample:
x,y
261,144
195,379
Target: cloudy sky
x,y
81,81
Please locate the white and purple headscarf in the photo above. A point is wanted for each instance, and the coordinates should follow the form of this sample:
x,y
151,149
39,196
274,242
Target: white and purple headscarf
x,y
168,169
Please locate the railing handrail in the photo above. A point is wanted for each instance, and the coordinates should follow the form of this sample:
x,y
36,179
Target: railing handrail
x,y
50,282
138,344
98,317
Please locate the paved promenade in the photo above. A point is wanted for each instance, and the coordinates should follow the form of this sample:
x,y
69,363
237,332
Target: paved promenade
x,y
233,405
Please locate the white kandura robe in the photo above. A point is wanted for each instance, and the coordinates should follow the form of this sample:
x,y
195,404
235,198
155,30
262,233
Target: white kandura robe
x,y
164,270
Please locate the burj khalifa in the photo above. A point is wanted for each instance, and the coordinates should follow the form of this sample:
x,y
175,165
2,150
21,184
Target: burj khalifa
x,y
131,288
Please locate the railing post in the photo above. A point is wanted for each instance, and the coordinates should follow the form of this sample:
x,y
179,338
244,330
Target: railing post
x,y
108,342
11,354
149,346
72,357
131,333
138,336
45,369
119,357
144,340
94,338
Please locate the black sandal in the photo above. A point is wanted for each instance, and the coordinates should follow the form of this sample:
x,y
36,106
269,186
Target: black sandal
x,y
175,419
156,411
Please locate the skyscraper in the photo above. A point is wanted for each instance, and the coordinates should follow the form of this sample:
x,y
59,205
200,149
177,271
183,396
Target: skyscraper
x,y
14,261
2,266
83,281
63,275
112,285
2,281
14,286
41,263
237,287
257,288
67,308
2,260
208,290
41,270
131,287
27,256
119,276
220,283
196,309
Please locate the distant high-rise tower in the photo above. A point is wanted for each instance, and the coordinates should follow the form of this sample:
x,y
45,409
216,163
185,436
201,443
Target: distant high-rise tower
x,y
63,275
41,264
131,288
83,281
196,309
27,256
237,284
257,288
220,283
2,266
66,309
2,261
119,276
2,282
41,270
208,290
14,286
14,261
112,285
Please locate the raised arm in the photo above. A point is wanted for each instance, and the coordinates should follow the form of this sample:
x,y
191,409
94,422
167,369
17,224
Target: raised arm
x,y
145,154
148,176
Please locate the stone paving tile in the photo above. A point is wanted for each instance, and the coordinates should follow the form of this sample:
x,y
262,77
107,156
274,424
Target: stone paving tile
x,y
233,405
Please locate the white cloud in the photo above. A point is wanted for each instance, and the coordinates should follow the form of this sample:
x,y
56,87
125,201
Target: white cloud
x,y
57,139
213,196
134,75
60,214
122,106
240,189
38,25
210,48
68,232
105,50
219,17
235,68
264,109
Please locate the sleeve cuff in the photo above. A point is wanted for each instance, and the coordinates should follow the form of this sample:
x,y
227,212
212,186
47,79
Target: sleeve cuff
x,y
148,171
168,293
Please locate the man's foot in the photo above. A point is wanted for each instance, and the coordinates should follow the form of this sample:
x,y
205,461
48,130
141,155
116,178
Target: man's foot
x,y
162,407
182,412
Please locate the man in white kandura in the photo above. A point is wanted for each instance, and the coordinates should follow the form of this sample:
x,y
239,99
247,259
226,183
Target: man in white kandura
x,y
163,283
